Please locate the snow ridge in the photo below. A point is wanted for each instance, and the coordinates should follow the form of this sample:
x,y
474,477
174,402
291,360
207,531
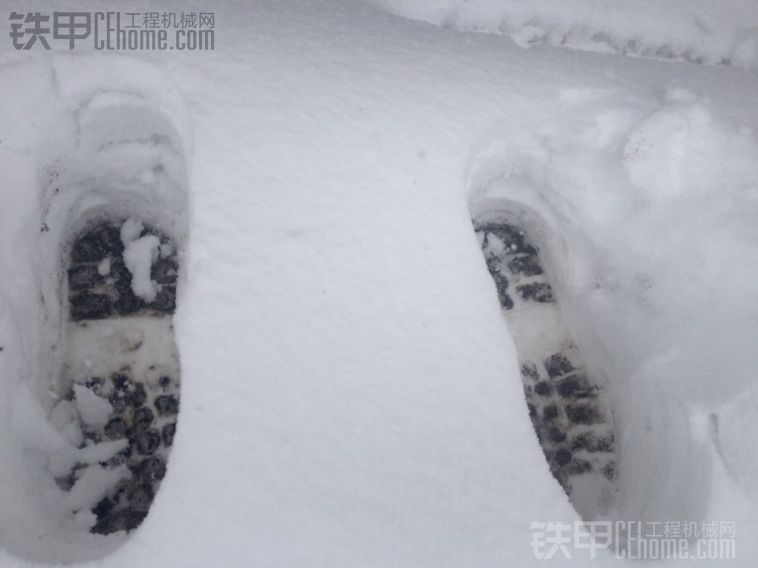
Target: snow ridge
x,y
638,29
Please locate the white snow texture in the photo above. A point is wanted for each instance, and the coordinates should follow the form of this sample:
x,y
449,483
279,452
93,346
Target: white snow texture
x,y
350,391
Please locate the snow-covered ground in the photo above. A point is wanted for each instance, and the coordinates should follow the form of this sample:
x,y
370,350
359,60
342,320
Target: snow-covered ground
x,y
350,391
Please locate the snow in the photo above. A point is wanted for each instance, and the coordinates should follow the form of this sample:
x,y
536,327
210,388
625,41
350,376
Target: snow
x,y
731,422
101,452
28,419
140,253
681,148
58,444
94,410
351,395
139,257
65,418
697,31
104,268
92,486
131,230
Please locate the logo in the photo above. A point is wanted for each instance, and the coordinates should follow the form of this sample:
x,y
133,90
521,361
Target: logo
x,y
635,540
113,31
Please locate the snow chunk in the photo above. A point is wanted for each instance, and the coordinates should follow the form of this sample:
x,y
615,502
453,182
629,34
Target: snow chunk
x,y
94,411
61,462
104,268
131,230
92,486
38,434
101,452
139,257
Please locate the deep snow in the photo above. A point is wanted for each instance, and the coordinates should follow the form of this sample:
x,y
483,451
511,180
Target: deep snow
x,y
350,391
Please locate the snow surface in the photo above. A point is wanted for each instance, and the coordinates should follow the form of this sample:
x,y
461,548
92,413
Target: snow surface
x,y
350,391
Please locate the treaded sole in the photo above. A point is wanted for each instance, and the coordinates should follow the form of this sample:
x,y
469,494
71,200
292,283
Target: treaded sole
x,y
121,372
568,409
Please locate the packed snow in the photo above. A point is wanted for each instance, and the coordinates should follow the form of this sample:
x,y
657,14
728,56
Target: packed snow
x,y
351,394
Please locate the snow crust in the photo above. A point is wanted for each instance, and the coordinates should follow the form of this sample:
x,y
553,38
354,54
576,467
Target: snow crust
x,y
351,395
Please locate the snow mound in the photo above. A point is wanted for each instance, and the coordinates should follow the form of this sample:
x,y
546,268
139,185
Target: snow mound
x,y
695,31
682,148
